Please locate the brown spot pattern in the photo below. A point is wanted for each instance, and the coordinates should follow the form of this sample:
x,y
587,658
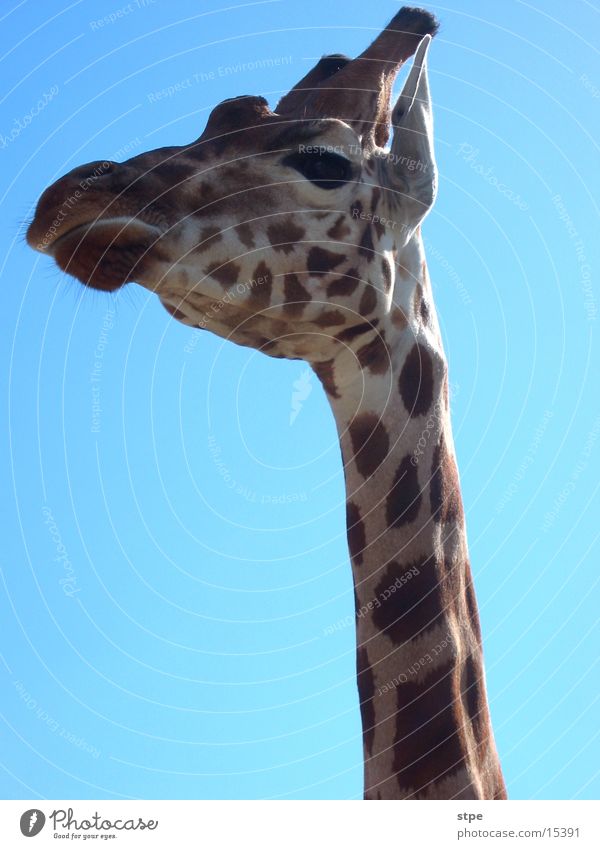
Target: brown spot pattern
x,y
207,193
404,497
399,319
330,318
420,304
209,236
379,228
321,261
180,316
475,701
473,692
271,347
416,381
368,300
444,487
386,273
375,355
284,235
366,248
417,603
339,230
296,296
429,742
375,196
225,273
355,330
370,443
324,371
344,285
471,602
418,294
262,285
245,235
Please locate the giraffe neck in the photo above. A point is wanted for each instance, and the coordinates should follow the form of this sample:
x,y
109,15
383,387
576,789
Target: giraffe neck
x,y
426,726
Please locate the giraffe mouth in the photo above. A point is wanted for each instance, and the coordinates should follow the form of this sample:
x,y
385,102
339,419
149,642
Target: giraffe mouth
x,y
105,254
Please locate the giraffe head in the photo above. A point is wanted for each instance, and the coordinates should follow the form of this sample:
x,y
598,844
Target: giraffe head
x,y
281,230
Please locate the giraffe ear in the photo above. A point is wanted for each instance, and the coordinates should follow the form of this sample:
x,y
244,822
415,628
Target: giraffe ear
x,y
411,161
358,90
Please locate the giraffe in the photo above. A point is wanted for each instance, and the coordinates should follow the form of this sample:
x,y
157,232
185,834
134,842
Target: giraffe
x,y
297,232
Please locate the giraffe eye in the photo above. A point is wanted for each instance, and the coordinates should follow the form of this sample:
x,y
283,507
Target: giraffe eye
x,y
326,170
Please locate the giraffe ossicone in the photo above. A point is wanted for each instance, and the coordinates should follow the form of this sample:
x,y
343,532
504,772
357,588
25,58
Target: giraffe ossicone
x,y
298,232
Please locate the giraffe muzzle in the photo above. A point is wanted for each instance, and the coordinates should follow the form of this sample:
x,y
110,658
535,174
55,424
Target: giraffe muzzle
x,y
105,254
92,228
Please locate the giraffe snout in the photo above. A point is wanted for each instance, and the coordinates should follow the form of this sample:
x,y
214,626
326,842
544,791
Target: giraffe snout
x,y
95,225
68,203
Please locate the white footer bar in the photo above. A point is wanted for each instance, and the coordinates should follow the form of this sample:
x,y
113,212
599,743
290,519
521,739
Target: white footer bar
x,y
300,825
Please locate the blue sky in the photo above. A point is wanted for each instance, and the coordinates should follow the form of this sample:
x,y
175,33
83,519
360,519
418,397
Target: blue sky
x,y
190,654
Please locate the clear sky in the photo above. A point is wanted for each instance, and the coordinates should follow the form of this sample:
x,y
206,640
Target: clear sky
x,y
201,647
